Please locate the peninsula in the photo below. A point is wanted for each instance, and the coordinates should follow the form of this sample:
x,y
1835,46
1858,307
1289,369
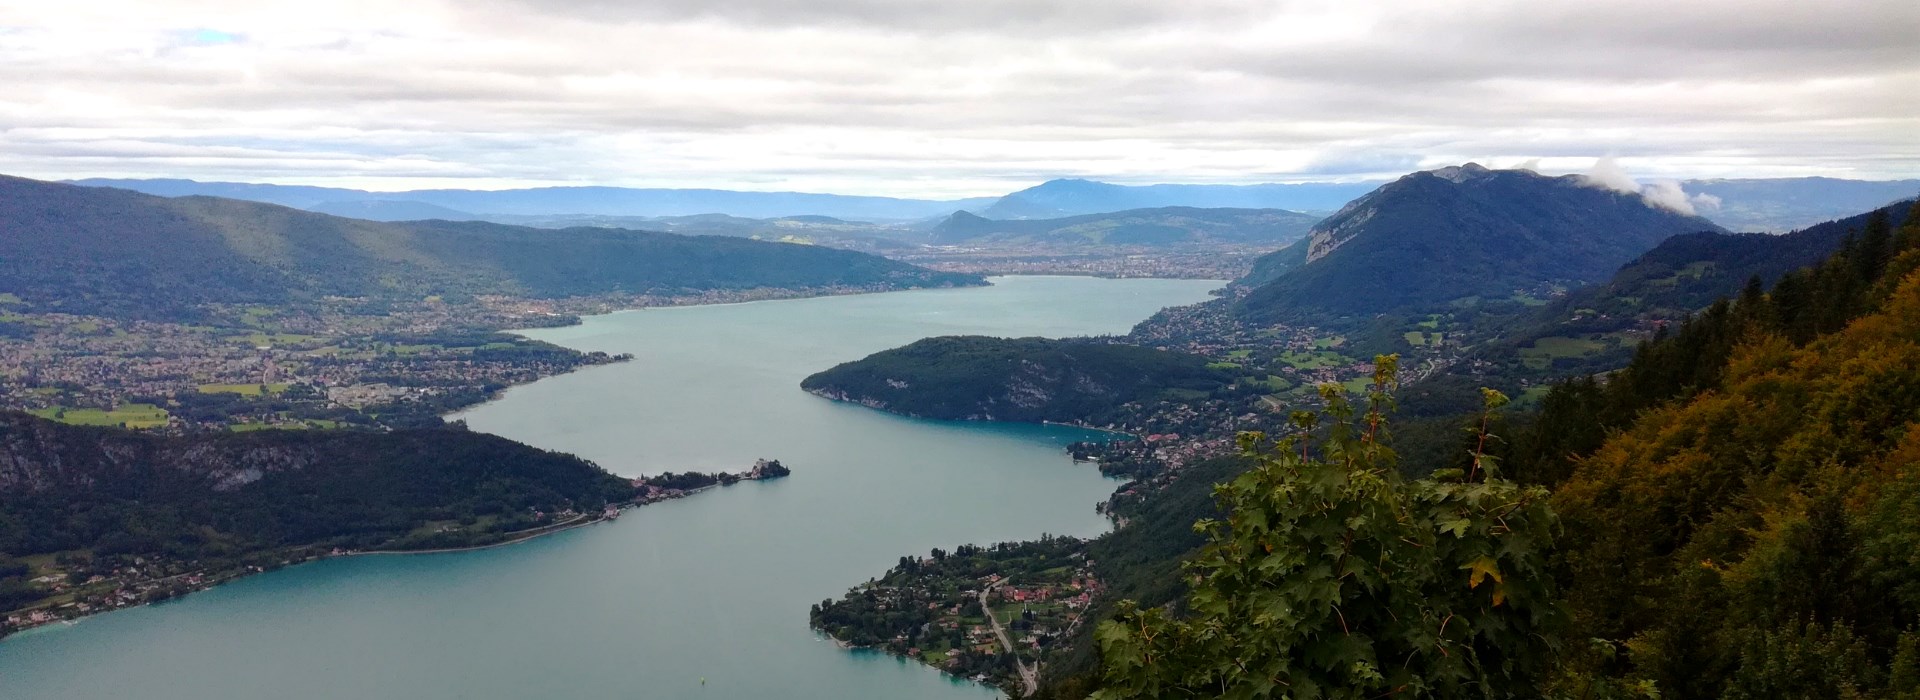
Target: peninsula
x,y
103,518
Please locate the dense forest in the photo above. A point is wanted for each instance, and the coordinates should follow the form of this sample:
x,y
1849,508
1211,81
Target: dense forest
x,y
118,253
1732,515
217,500
1017,379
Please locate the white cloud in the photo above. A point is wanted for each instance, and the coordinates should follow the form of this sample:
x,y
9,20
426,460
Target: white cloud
x,y
1607,172
918,97
1669,195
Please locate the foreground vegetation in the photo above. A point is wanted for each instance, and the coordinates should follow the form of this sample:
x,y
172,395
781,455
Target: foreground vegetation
x,y
1732,515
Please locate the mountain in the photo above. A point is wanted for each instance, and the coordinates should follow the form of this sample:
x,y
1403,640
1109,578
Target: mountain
x,y
1458,236
102,250
1784,204
390,210
1070,197
589,201
1139,227
1014,379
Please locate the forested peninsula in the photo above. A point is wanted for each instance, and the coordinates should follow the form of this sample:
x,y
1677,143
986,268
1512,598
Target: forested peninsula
x,y
1084,382
95,518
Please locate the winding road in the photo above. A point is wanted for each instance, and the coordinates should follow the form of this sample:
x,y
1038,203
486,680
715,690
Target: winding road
x,y
1029,675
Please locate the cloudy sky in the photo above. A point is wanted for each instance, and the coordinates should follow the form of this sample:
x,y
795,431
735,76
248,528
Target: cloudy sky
x,y
948,98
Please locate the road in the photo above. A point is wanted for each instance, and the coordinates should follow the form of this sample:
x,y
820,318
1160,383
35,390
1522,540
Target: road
x,y
1029,675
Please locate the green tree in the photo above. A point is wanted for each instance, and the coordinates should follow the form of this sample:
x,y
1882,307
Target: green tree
x,y
1333,577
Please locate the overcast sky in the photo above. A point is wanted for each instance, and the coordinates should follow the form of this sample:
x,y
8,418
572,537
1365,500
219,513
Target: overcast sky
x,y
961,97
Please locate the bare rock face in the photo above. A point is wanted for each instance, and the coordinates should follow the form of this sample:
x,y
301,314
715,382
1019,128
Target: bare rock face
x,y
36,455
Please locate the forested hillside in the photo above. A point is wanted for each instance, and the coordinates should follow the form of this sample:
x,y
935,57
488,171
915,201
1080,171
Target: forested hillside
x,y
1595,329
113,252
1016,379
72,487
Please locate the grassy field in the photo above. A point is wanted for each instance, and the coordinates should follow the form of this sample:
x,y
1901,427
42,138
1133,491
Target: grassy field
x,y
1419,338
1313,360
1532,396
1274,383
133,415
1223,365
243,389
1182,394
272,339
1544,350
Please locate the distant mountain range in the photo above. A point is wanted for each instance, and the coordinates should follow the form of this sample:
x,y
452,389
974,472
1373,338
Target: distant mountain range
x,y
1458,235
585,201
391,210
1161,226
1050,200
1059,198
1759,205
102,250
1784,204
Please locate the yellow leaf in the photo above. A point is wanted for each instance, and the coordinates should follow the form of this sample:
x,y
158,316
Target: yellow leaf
x,y
1481,569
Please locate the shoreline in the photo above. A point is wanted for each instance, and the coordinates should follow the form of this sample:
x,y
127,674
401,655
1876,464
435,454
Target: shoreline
x,y
534,534
211,581
216,580
798,295
841,397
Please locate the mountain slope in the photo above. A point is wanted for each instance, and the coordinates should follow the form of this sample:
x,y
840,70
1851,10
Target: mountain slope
x,y
1458,235
86,249
1595,329
1071,197
1151,227
1686,273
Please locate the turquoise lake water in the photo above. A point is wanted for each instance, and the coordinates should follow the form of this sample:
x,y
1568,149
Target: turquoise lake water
x,y
712,587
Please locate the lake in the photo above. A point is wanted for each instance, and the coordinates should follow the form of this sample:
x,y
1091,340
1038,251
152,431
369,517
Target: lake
x,y
704,597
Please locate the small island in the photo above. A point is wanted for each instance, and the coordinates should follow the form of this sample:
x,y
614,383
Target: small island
x,y
672,485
